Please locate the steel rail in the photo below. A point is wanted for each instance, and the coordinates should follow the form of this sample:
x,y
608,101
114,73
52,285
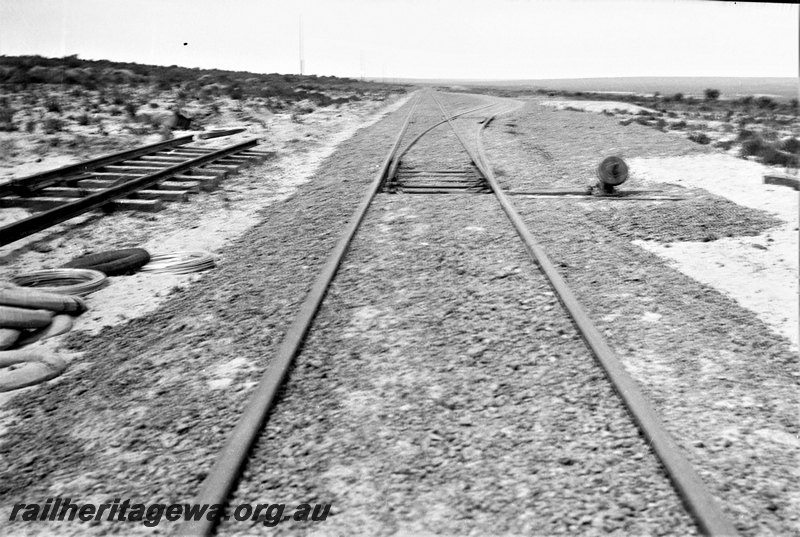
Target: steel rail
x,y
690,487
396,162
27,226
46,178
228,465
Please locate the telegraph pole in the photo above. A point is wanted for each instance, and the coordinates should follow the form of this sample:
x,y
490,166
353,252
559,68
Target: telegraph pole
x,y
301,45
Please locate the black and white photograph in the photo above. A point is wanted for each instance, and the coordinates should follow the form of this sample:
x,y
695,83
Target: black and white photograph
x,y
399,268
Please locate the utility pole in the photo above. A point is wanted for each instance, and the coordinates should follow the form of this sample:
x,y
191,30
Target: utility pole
x,y
301,45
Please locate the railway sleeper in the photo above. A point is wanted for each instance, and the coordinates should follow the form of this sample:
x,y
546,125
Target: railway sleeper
x,y
441,190
259,155
434,184
187,150
177,159
439,180
45,203
207,181
70,192
231,168
412,171
169,184
141,170
149,166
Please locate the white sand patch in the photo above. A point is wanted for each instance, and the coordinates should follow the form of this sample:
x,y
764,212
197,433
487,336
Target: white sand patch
x,y
213,226
759,272
598,106
134,296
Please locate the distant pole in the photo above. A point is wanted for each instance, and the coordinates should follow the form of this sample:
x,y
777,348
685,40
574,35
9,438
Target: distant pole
x,y
301,45
362,65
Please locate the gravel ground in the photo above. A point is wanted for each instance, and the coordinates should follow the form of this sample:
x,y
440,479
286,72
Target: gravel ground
x,y
443,390
141,413
723,383
447,394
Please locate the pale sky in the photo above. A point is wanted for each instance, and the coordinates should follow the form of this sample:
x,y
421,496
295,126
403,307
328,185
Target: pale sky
x,y
489,39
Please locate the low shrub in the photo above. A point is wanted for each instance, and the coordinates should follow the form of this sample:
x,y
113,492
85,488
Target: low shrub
x,y
775,157
7,119
52,105
678,125
765,102
769,134
8,149
700,138
724,144
130,109
52,125
792,145
78,142
753,146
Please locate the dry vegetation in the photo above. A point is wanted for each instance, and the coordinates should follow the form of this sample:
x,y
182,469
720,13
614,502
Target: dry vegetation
x,y
760,128
80,107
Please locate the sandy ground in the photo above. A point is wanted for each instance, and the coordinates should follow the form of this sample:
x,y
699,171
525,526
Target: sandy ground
x,y
760,272
208,222
597,106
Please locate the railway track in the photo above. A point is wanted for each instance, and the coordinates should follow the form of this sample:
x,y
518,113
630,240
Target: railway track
x,y
464,174
141,178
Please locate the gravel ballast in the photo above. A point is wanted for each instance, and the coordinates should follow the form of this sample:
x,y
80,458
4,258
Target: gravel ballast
x,y
143,412
443,390
724,384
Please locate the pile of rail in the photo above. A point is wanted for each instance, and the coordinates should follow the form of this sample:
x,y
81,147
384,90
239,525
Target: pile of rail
x,y
141,178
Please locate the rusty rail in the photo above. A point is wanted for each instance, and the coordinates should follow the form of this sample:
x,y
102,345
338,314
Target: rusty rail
x,y
27,226
223,475
36,181
690,487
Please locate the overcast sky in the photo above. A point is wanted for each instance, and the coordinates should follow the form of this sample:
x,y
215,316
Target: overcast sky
x,y
492,39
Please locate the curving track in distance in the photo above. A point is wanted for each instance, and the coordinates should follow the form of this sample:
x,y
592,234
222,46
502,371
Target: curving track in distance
x,y
223,476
